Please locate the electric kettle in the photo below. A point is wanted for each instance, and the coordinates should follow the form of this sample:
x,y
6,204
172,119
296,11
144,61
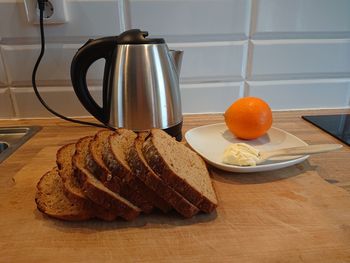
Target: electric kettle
x,y
140,87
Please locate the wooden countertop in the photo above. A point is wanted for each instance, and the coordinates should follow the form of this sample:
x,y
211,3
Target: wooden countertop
x,y
297,214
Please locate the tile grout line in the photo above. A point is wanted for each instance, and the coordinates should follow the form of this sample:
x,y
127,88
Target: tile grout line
x,y
8,85
124,15
248,50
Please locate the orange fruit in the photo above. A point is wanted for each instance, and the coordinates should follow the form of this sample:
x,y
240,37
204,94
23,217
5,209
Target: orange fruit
x,y
248,118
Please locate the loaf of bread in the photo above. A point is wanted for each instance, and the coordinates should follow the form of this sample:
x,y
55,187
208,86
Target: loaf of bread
x,y
120,174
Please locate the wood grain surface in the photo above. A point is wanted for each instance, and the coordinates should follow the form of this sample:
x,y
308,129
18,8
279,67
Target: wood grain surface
x,y
288,215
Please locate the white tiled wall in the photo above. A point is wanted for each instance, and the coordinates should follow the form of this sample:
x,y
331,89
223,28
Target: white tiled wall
x,y
209,61
292,94
6,109
209,97
54,68
293,53
3,77
191,18
60,99
289,59
87,18
301,18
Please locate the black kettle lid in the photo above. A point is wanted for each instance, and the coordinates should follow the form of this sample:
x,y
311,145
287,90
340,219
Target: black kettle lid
x,y
136,36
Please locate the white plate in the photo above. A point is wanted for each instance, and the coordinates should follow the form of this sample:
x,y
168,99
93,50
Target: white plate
x,y
210,141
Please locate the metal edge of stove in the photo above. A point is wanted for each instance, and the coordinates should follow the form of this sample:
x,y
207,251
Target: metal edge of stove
x,y
29,132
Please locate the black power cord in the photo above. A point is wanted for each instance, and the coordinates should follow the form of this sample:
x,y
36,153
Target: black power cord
x,y
41,5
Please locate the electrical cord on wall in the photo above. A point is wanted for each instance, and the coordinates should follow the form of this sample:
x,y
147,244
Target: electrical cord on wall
x,y
41,5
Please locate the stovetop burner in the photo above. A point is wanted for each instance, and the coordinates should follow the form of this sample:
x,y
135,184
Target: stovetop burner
x,y
336,125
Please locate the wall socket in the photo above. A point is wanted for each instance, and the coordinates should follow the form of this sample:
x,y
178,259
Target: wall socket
x,y
55,12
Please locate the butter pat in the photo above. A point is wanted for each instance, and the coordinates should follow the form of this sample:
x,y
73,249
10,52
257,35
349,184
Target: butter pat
x,y
241,154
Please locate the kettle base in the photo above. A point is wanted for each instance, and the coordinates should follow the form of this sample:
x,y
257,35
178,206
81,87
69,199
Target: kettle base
x,y
175,131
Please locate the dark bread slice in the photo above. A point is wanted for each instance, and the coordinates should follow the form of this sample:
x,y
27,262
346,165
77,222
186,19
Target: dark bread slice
x,y
65,170
95,161
71,185
180,168
115,157
97,166
95,190
143,171
51,200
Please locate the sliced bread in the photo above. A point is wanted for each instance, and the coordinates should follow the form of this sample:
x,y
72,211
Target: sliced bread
x,y
95,190
73,187
181,169
115,153
65,169
95,161
144,172
97,166
51,200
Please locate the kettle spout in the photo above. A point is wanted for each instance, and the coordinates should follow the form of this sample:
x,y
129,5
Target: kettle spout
x,y
177,59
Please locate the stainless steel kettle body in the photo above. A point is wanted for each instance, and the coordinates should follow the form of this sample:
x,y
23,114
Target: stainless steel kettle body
x,y
140,83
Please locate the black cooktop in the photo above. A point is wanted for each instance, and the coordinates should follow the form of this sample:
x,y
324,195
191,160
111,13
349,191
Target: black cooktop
x,y
336,125
3,146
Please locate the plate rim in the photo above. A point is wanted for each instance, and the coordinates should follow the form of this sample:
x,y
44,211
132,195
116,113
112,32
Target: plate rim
x,y
247,169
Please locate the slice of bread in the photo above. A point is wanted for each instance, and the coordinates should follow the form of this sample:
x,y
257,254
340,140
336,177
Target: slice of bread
x,y
71,185
180,168
95,161
95,190
115,158
143,171
97,166
64,163
51,200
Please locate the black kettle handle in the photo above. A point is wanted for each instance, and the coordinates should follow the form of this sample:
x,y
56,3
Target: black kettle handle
x,y
83,59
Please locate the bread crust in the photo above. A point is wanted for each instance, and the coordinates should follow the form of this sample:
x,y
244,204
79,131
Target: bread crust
x,y
153,181
95,162
65,171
